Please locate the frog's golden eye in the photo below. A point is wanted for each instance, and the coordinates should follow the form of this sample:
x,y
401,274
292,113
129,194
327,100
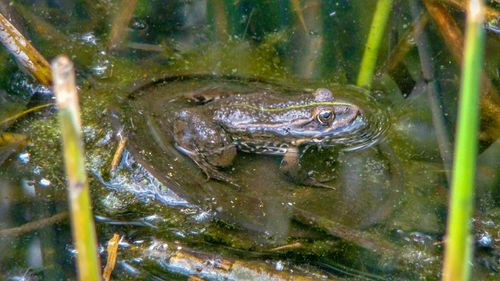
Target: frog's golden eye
x,y
325,116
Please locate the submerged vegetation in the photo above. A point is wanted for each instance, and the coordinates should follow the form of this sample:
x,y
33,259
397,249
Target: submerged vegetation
x,y
142,64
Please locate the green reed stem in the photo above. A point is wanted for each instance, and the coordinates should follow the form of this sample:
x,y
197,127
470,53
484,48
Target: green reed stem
x,y
373,43
458,251
82,222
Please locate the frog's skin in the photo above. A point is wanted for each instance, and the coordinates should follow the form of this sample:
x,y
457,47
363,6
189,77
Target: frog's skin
x,y
264,123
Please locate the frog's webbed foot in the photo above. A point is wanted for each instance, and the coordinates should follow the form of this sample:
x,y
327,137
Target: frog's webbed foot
x,y
221,158
205,143
213,173
313,182
290,166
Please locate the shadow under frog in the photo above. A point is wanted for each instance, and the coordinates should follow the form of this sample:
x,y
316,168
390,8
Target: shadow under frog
x,y
335,131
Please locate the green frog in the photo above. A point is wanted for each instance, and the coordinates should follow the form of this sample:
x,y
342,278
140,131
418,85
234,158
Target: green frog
x,y
267,122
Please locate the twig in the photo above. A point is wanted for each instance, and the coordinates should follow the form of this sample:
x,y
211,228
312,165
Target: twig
x,y
298,12
433,95
221,268
195,278
26,55
112,254
118,153
23,113
34,225
361,239
248,23
489,13
405,44
45,29
78,191
311,46
448,28
120,23
145,47
40,25
292,246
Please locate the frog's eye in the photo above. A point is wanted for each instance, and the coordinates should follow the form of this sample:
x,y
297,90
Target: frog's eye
x,y
325,116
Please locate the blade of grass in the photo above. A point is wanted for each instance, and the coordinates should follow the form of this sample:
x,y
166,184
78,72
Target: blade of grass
x,y
458,250
372,46
82,222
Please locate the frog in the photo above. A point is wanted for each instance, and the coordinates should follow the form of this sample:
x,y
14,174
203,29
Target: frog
x,y
212,132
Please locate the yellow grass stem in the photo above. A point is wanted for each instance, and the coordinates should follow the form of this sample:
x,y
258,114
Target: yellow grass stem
x,y
82,222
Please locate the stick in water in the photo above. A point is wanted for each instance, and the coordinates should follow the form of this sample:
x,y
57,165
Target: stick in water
x,y
26,55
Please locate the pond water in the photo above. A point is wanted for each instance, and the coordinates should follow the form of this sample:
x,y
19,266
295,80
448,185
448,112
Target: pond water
x,y
378,212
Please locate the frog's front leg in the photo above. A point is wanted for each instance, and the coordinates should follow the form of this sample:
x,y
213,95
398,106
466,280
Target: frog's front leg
x,y
290,166
205,142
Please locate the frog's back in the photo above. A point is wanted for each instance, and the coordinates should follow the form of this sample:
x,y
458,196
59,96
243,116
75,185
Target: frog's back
x,y
260,112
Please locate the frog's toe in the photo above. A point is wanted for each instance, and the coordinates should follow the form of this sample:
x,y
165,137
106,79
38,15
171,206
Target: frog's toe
x,y
316,183
215,174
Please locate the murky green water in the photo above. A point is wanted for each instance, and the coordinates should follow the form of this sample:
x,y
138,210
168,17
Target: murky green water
x,y
385,219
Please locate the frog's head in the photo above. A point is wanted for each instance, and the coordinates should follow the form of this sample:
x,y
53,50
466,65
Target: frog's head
x,y
330,119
